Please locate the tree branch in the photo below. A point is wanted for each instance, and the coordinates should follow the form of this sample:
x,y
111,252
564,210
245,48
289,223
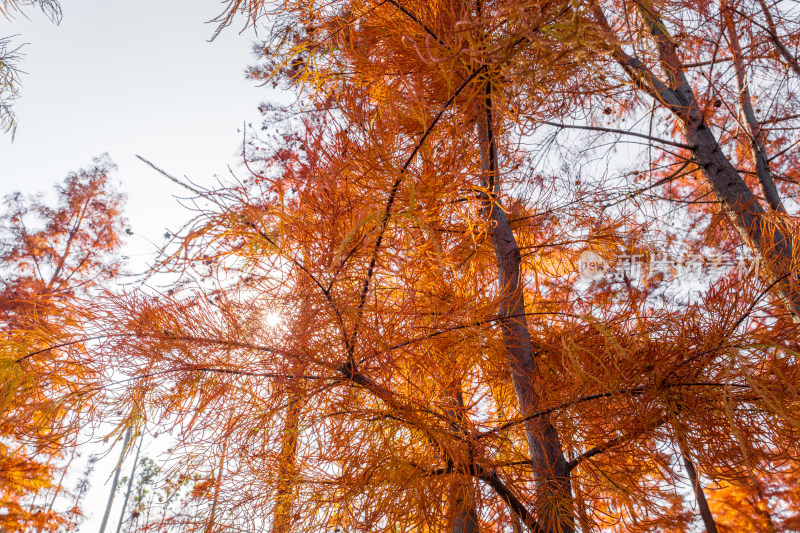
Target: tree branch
x,y
619,132
773,35
604,447
511,500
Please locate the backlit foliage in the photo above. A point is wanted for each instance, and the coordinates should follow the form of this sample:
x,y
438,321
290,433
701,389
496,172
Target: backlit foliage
x,y
51,255
414,221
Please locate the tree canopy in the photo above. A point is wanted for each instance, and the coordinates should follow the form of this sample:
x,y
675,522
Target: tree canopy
x,y
386,322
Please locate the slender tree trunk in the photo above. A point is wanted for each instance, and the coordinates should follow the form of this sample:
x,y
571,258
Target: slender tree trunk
x,y
59,486
462,497
130,484
287,468
116,481
748,120
691,471
547,458
61,481
700,497
462,501
218,482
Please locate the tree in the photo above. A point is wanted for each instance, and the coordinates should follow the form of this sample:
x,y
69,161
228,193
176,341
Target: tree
x,y
9,76
565,42
416,334
416,239
50,256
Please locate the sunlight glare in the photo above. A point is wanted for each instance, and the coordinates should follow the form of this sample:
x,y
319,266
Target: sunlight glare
x,y
273,319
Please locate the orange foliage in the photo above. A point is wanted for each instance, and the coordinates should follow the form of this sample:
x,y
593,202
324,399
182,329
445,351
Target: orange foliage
x,y
436,364
51,257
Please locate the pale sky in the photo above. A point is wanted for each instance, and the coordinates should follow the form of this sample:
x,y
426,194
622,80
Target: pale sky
x,y
129,78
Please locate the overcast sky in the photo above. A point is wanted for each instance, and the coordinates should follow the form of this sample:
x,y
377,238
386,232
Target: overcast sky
x,y
128,78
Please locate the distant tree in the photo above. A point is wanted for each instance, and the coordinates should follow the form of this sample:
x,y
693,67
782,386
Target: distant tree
x,y
50,255
9,84
715,83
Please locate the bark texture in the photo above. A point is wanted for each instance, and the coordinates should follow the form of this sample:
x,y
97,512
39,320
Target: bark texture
x,y
465,516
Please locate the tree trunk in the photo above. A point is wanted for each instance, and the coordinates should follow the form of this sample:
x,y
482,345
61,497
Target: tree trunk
x,y
544,445
61,481
700,497
130,485
748,119
115,482
218,482
287,468
462,497
691,471
462,501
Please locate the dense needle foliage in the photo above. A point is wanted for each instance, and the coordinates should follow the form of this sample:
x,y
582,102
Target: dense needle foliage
x,y
380,326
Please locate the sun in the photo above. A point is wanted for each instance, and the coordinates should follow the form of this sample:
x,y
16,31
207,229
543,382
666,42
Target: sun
x,y
273,319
